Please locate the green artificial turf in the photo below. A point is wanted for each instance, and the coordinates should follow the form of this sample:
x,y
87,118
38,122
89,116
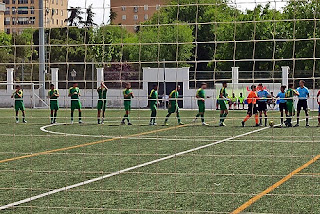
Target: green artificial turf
x,y
216,179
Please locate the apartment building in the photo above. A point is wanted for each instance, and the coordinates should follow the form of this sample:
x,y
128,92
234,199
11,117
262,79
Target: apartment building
x,y
21,14
130,13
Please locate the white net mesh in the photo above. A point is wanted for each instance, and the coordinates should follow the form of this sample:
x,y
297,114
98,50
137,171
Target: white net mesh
x,y
205,162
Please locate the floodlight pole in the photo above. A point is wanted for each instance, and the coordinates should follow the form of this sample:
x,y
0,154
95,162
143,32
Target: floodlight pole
x,y
42,90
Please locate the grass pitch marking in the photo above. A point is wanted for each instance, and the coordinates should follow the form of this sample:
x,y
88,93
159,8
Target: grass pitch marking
x,y
92,143
275,185
127,169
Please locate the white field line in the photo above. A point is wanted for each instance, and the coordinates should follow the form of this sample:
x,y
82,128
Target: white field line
x,y
125,170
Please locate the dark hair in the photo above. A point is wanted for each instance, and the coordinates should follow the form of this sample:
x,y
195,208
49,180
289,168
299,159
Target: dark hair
x,y
17,86
260,84
203,83
290,85
253,86
74,83
51,85
224,82
303,81
283,86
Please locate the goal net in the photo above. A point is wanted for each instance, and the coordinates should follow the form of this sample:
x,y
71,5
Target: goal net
x,y
160,106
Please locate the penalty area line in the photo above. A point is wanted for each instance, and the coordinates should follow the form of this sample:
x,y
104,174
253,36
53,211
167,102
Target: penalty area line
x,y
125,170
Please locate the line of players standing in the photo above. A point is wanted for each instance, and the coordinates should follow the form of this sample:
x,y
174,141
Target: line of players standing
x,y
257,103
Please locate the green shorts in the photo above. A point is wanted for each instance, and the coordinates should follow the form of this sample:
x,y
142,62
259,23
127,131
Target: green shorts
x,y
290,108
223,104
127,105
75,104
54,105
201,106
153,106
102,104
18,105
173,109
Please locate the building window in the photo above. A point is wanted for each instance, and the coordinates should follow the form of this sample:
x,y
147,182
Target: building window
x,y
7,21
146,16
146,7
6,1
158,7
61,2
62,22
135,17
57,2
52,2
8,31
32,1
124,17
13,21
57,11
135,9
61,12
7,12
32,10
123,8
32,20
23,10
52,21
23,20
22,1
53,12
57,21
13,10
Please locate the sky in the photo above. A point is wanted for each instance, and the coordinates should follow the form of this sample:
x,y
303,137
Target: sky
x,y
102,7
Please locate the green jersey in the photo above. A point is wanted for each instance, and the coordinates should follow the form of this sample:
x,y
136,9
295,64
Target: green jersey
x,y
102,93
241,99
127,94
153,97
223,92
289,95
75,90
173,97
200,95
52,94
18,96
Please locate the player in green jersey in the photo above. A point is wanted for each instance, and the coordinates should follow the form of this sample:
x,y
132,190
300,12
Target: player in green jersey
x,y
153,101
127,95
290,93
18,104
74,93
241,100
53,95
173,106
201,98
223,103
102,102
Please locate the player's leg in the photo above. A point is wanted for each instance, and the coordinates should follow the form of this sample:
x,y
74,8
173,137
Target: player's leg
x,y
55,115
104,106
281,116
299,106
256,117
167,117
51,116
99,116
17,116
265,117
72,111
80,115
249,114
178,115
23,110
305,108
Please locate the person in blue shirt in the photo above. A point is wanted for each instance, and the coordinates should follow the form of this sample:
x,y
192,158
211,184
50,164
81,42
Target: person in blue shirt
x,y
282,103
302,103
262,103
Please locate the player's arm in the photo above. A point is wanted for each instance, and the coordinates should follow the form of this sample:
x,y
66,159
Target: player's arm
x,y
69,95
57,94
103,85
318,95
296,92
132,95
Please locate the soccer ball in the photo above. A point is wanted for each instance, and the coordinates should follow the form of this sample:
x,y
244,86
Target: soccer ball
x,y
271,123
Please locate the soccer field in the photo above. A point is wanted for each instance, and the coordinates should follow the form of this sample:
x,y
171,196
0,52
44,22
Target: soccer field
x,y
157,169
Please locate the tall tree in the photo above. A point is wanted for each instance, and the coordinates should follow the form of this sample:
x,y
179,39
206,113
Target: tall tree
x,y
89,17
75,17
